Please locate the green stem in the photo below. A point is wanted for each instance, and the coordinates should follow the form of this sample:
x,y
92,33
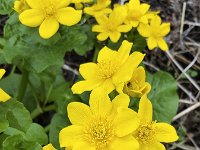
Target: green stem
x,y
49,108
95,54
48,94
23,85
13,69
36,112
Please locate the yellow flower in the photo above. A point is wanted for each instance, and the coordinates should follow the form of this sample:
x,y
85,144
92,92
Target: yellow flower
x,y
150,133
137,86
105,125
48,147
98,9
113,69
111,26
20,6
48,14
137,13
3,95
155,31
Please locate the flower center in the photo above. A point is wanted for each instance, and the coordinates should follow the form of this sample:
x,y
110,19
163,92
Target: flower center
x,y
49,10
135,15
106,69
145,133
99,132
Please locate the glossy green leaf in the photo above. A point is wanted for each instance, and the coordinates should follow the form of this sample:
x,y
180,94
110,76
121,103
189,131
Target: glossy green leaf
x,y
36,133
163,96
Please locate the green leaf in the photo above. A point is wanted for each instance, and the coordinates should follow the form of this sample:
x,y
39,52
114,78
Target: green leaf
x,y
24,47
36,133
17,142
16,114
10,89
139,42
6,6
3,123
163,96
58,122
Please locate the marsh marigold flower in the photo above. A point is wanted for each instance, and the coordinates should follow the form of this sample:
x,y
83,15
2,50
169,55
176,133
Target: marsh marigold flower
x,y
111,26
48,14
150,133
20,6
48,147
99,8
137,86
103,125
112,70
137,13
155,32
3,95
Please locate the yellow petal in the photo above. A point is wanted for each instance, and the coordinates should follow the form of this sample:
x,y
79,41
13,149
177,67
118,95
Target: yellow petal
x,y
100,103
102,20
144,8
139,76
121,100
164,29
126,122
106,54
152,146
3,96
78,113
124,51
88,70
119,87
48,27
102,36
145,109
70,135
35,4
83,86
165,133
152,43
31,17
98,28
68,16
126,143
61,3
118,15
124,28
48,147
156,22
108,86
83,146
134,4
147,88
125,72
2,72
144,30
162,44
114,36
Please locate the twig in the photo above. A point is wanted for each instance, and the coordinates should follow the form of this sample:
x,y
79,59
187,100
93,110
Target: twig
x,y
183,18
66,67
190,65
181,69
192,23
185,101
186,92
186,111
151,65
